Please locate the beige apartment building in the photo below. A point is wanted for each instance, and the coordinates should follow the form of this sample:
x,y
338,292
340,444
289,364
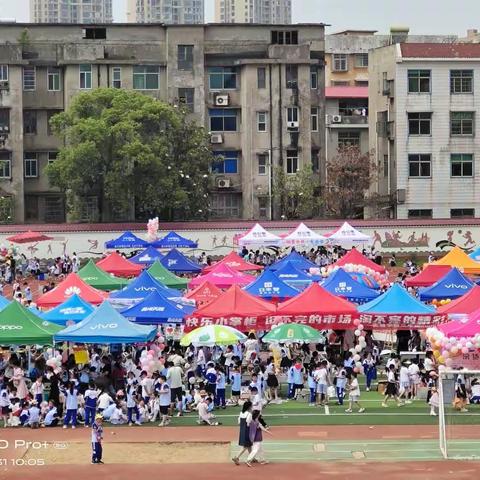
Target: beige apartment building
x,y
71,11
260,97
253,11
166,11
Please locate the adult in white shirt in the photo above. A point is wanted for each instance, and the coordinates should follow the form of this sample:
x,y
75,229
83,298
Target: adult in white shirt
x,y
404,383
414,374
429,362
175,380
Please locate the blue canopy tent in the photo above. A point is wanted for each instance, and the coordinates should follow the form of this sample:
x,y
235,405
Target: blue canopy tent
x,y
106,326
74,309
297,260
3,302
156,309
126,240
453,285
341,284
174,240
177,262
146,257
269,286
294,277
475,255
364,279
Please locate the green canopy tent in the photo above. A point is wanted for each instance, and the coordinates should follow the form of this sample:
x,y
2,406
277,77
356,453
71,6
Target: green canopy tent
x,y
20,326
98,278
166,277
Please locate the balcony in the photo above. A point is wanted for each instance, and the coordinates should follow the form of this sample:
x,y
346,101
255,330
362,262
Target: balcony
x,y
355,119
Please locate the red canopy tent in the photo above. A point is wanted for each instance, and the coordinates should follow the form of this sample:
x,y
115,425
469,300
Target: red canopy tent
x,y
223,277
204,293
235,308
356,258
119,266
465,326
429,276
467,303
28,237
235,262
72,284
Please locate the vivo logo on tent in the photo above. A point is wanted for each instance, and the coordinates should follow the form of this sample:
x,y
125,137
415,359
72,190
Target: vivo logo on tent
x,y
454,285
152,309
104,326
11,327
172,262
144,289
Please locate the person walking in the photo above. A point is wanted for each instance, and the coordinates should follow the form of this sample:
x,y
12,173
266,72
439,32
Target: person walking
x,y
256,437
244,420
97,438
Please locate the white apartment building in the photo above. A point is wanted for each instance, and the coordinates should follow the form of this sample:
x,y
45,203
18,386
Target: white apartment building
x,y
253,11
424,102
166,11
71,11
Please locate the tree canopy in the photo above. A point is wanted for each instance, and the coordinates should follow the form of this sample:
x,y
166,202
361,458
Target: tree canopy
x,y
134,153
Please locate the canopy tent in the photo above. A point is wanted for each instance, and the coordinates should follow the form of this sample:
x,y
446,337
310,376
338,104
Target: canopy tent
x,y
174,240
126,240
236,308
294,277
258,236
341,284
156,309
167,278
106,326
20,326
118,265
73,284
354,257
28,237
458,258
453,285
347,234
97,278
365,279
293,333
468,303
3,302
297,260
211,335
269,286
177,262
302,235
235,262
204,293
475,255
74,309
146,257
462,325
223,277
427,277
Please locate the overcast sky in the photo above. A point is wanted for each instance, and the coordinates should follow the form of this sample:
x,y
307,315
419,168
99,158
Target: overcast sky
x,y
422,16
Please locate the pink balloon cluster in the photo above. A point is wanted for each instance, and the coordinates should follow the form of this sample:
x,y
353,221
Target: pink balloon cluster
x,y
152,229
55,363
381,279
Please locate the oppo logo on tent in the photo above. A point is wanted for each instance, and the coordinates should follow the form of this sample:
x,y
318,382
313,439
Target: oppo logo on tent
x,y
86,279
11,327
454,285
104,326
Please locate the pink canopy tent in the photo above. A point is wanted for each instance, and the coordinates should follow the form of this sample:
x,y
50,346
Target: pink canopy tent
x,y
462,325
223,277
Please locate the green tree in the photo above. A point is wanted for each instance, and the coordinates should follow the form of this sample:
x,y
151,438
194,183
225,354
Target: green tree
x,y
134,153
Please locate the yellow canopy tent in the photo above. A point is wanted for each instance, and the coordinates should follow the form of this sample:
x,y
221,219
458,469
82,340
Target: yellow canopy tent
x,y
458,258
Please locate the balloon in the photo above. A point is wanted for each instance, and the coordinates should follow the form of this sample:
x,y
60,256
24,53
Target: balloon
x,y
356,322
464,350
361,327
151,352
356,357
448,362
441,359
358,365
144,354
454,351
356,370
357,333
358,348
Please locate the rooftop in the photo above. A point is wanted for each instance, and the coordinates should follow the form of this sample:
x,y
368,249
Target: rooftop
x,y
440,50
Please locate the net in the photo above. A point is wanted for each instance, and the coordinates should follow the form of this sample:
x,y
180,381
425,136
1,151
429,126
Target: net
x,y
457,398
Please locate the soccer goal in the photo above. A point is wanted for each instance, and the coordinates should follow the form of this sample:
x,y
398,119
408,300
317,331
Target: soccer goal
x,y
458,414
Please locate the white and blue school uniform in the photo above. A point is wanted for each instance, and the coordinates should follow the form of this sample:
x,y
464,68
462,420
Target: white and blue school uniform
x,y
97,434
24,416
370,370
312,386
165,398
220,392
90,397
290,381
71,404
340,383
237,351
33,415
4,401
51,418
236,379
211,377
132,405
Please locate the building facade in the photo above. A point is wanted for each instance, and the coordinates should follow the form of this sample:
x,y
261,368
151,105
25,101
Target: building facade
x,y
166,11
424,102
253,11
71,11
263,102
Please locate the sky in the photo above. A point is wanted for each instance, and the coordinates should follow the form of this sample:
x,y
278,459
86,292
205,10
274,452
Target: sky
x,y
422,16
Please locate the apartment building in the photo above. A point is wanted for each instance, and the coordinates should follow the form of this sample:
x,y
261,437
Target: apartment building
x,y
424,129
262,99
253,11
71,11
166,11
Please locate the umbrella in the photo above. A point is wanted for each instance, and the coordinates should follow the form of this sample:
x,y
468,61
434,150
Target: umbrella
x,y
28,237
211,335
293,333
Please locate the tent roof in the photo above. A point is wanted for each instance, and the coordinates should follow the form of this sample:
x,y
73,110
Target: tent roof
x,y
453,285
303,235
3,302
268,285
234,261
118,265
106,326
204,293
127,240
462,326
427,277
97,278
341,284
166,277
177,262
20,326
295,259
223,277
73,309
354,257
396,300
458,258
72,284
347,234
467,303
475,255
257,235
236,302
146,257
290,273
174,240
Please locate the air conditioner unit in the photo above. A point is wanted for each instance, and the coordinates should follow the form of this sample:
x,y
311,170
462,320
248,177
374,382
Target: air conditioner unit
x,y
221,100
292,125
336,119
224,183
216,138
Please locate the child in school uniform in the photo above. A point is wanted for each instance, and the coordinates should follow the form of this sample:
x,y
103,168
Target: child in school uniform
x,y
5,410
391,391
37,390
132,405
290,381
220,390
97,438
33,416
340,383
236,381
434,402
354,394
165,395
370,370
71,405
297,378
24,414
90,398
51,416
255,432
475,396
312,386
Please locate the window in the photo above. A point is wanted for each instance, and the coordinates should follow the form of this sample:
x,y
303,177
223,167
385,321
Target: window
x,y
361,60
385,166
223,120
186,98
4,119
361,83
261,77
226,205
222,78
51,157
54,209
461,123
291,76
420,213
262,121
5,165
461,164
292,161
461,81
315,160
313,77
85,76
285,37
462,213
419,123
340,62
420,165
314,119
116,77
345,83
185,57
262,163
292,114
3,73
225,162
262,207
50,114
31,165
146,77
348,139
29,78
92,33
419,81
29,122
53,79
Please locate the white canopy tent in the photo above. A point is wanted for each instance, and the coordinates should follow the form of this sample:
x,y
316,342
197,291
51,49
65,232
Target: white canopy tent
x,y
347,234
260,237
303,235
